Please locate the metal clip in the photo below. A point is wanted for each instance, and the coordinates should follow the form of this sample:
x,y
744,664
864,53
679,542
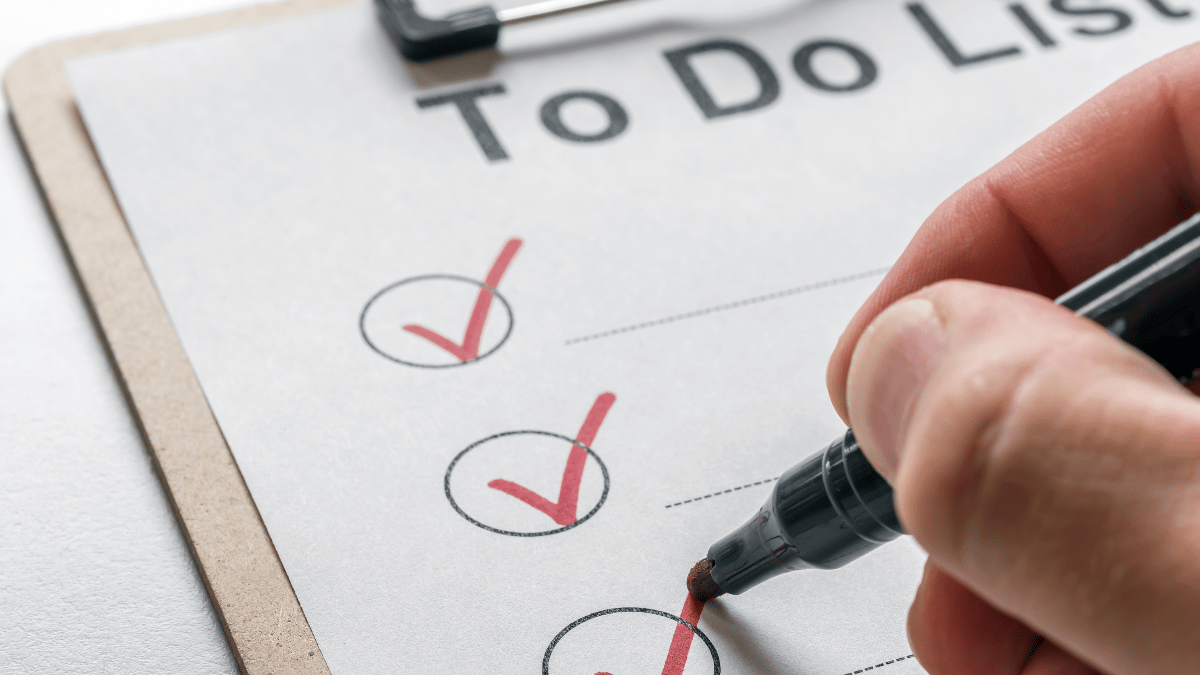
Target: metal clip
x,y
420,38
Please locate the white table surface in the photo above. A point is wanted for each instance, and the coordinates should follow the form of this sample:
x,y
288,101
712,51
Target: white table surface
x,y
94,573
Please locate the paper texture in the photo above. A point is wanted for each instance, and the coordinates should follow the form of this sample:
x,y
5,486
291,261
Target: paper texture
x,y
499,358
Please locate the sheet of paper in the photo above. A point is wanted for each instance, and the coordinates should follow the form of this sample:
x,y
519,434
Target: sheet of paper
x,y
501,354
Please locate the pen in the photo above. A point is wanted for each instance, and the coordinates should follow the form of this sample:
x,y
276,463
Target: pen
x,y
833,508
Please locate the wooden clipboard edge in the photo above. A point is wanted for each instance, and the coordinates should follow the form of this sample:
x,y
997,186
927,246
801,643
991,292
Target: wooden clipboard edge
x,y
249,587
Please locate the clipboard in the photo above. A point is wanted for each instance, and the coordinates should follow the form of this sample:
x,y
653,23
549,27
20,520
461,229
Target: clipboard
x,y
249,587
239,563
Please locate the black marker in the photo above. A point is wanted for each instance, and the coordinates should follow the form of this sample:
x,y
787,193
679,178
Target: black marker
x,y
833,508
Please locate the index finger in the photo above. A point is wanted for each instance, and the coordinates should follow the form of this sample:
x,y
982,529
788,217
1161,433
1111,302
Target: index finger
x,y
1114,174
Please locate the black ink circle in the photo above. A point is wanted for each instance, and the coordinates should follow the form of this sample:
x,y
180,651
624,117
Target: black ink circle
x,y
362,320
802,62
489,528
616,610
617,117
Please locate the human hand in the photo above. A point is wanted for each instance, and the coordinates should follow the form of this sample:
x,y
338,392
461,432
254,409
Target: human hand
x,y
1051,471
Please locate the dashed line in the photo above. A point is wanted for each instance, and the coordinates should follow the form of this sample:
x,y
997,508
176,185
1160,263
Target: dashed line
x,y
880,665
724,492
731,305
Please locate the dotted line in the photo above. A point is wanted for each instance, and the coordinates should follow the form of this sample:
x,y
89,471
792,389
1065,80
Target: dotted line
x,y
732,305
724,492
880,665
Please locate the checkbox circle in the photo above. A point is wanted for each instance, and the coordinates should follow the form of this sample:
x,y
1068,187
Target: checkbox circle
x,y
477,444
381,327
712,650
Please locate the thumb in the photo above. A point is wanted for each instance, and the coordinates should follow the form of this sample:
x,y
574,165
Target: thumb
x,y
1051,468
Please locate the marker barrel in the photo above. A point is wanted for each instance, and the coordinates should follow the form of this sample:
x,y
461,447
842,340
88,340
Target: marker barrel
x,y
833,508
823,513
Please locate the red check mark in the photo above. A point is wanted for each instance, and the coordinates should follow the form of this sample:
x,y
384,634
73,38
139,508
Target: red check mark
x,y
563,511
681,641
469,349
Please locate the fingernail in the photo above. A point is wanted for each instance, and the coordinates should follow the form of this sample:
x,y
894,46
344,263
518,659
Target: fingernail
x,y
891,362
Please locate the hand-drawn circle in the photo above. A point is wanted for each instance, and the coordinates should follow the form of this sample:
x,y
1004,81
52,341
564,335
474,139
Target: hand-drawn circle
x,y
362,320
604,612
489,528
551,116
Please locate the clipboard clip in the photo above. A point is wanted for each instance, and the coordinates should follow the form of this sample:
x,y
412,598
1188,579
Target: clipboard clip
x,y
420,38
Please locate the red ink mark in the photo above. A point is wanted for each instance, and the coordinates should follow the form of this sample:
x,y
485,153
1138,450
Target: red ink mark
x,y
563,512
469,349
682,641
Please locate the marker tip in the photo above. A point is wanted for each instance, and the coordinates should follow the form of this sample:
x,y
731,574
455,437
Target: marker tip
x,y
700,582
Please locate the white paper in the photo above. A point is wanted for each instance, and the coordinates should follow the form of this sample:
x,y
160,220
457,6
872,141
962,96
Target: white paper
x,y
278,178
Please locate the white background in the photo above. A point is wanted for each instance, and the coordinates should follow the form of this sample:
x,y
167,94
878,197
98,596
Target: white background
x,y
94,573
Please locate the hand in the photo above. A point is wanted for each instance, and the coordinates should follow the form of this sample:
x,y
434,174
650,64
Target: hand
x,y
1051,471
